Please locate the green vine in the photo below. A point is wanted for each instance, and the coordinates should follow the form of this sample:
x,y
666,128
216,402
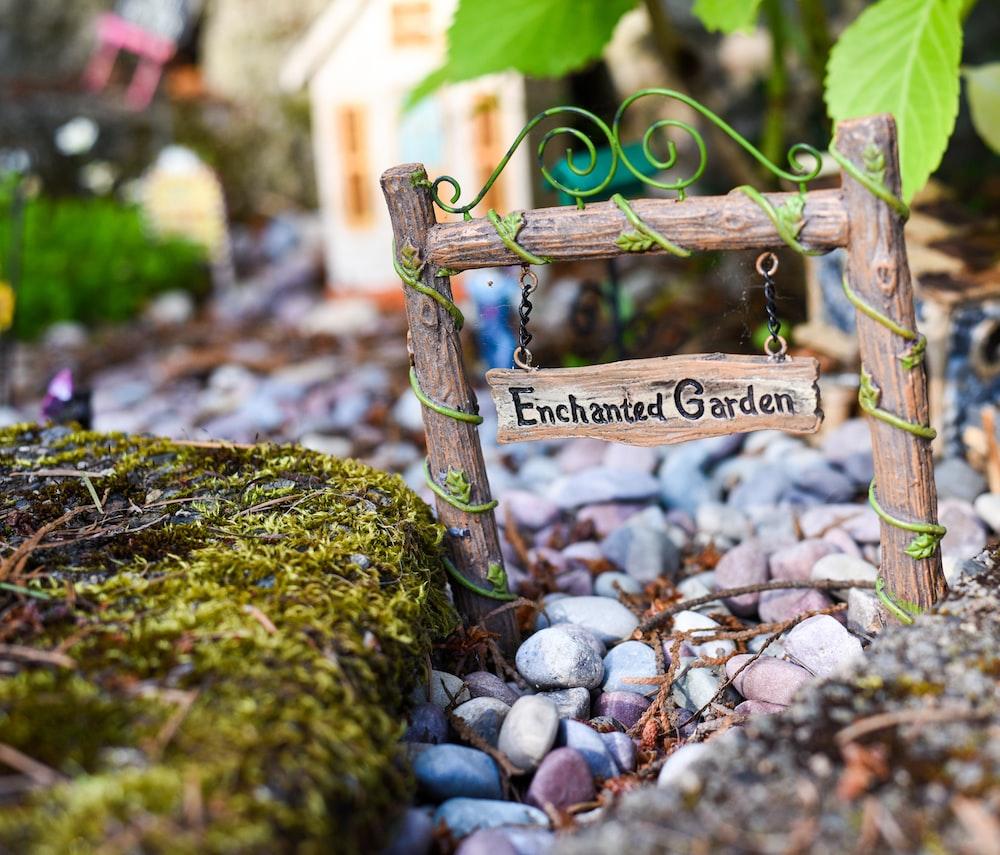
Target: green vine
x,y
508,228
872,177
408,267
498,581
869,396
459,499
645,237
788,218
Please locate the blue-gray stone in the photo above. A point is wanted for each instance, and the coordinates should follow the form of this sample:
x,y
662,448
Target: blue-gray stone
x,y
446,771
571,703
462,816
822,480
956,479
586,740
604,584
483,716
601,484
483,684
642,547
428,723
630,659
553,659
608,620
622,748
412,834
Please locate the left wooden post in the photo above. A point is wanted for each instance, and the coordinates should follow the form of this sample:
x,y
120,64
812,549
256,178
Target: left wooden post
x,y
452,445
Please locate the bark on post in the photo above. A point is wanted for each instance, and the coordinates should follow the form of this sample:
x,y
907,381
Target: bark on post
x,y
436,353
878,272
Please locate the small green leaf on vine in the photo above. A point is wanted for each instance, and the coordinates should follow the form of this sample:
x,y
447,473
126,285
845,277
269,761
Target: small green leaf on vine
x,y
874,163
633,242
410,260
458,485
791,214
923,545
914,355
512,223
868,393
497,577
445,271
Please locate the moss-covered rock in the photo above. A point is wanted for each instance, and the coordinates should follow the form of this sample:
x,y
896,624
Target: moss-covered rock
x,y
205,648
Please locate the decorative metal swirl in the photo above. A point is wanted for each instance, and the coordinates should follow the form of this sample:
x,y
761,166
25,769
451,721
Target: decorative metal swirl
x,y
799,171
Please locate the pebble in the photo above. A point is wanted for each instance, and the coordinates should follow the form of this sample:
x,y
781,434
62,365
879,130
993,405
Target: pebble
x,y
536,473
604,584
745,564
697,688
601,484
842,541
608,620
859,521
776,606
820,479
462,816
483,716
631,457
428,723
486,841
446,771
764,642
688,620
767,679
584,635
684,484
622,748
988,507
529,731
606,517
843,567
795,563
624,707
586,740
552,659
966,535
412,834
864,615
580,454
527,509
956,479
563,779
674,771
576,583
642,547
483,684
821,644
571,703
443,687
629,660
584,553
721,521
758,708
846,439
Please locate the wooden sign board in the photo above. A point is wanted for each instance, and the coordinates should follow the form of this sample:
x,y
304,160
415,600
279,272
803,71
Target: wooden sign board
x,y
658,401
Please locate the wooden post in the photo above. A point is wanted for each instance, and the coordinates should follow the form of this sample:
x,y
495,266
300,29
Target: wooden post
x,y
436,353
878,272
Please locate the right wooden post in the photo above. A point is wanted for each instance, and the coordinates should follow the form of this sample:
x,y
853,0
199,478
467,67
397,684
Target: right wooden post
x,y
878,272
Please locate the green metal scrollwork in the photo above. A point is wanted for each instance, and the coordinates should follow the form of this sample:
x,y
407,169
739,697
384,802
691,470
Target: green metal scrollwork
x,y
583,163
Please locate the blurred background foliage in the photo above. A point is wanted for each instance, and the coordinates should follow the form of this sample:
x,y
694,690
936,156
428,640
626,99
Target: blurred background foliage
x,y
92,260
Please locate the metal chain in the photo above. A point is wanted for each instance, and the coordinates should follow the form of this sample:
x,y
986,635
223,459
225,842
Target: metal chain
x,y
775,347
529,282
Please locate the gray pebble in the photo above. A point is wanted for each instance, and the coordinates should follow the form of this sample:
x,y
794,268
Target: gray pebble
x,y
462,816
553,659
483,716
529,731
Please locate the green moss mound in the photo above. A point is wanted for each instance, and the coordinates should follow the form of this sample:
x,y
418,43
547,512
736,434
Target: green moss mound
x,y
216,659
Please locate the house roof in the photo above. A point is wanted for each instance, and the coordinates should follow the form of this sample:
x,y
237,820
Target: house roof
x,y
320,40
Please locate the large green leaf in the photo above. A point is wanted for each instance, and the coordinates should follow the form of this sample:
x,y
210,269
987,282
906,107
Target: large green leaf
x,y
982,86
728,16
540,38
902,57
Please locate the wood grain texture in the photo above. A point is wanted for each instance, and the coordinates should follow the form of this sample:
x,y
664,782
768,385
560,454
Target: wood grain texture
x,y
697,223
658,401
878,272
436,353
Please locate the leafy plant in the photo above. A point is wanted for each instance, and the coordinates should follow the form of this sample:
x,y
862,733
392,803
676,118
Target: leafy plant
x,y
92,260
898,56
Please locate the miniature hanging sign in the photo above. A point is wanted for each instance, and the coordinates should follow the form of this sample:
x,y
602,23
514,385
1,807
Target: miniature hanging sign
x,y
658,401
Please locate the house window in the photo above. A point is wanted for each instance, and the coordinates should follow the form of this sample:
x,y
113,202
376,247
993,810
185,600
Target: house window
x,y
411,24
354,158
487,147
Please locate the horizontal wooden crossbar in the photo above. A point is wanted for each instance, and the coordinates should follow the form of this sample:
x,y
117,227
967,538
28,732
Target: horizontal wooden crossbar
x,y
698,223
